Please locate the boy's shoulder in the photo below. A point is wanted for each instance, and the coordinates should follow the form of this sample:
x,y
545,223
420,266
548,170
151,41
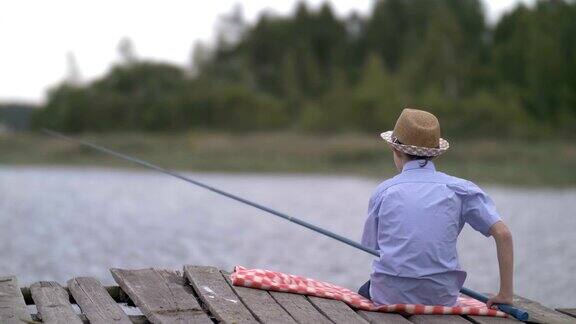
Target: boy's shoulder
x,y
455,180
388,183
459,185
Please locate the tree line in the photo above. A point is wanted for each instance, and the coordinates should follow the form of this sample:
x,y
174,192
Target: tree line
x,y
314,71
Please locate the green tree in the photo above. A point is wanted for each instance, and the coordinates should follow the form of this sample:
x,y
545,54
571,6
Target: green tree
x,y
534,51
150,92
439,61
290,85
67,109
333,111
376,100
310,74
389,29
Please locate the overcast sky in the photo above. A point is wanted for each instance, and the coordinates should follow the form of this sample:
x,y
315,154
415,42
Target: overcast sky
x,y
35,36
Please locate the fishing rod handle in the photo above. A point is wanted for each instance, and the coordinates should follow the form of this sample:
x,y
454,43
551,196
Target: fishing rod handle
x,y
517,313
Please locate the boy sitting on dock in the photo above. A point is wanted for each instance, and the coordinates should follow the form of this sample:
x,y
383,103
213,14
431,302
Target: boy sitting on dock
x,y
414,220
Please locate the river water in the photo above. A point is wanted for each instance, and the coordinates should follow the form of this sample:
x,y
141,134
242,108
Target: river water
x,y
56,223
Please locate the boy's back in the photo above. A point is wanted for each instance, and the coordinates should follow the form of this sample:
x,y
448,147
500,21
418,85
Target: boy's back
x,y
414,220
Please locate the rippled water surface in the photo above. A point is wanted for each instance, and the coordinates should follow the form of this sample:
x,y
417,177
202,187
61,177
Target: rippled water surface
x,y
56,223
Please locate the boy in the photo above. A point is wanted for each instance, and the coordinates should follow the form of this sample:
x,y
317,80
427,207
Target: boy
x,y
414,220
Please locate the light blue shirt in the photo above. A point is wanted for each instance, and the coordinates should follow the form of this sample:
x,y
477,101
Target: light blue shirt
x,y
414,220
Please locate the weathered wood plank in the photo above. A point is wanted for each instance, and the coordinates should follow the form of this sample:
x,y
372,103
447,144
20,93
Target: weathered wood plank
x,y
217,295
53,303
12,304
139,319
95,302
438,319
134,319
567,311
383,318
336,311
492,320
115,292
261,304
541,314
162,296
299,307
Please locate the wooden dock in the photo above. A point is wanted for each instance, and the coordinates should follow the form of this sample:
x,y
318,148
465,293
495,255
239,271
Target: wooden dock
x,y
201,294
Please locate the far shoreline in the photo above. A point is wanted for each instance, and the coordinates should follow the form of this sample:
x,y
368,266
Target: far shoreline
x,y
509,163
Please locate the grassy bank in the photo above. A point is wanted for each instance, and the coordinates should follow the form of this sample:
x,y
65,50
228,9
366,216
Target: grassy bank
x,y
486,161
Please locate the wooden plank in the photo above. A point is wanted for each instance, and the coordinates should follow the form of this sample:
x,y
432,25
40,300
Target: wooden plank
x,y
492,320
134,319
261,304
53,303
383,318
336,311
115,292
12,305
163,296
567,311
541,314
95,302
299,307
438,319
217,295
139,319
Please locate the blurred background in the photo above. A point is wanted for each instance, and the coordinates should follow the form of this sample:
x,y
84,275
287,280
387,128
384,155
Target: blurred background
x,y
280,102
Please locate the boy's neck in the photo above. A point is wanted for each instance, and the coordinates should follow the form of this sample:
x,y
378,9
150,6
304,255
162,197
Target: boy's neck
x,y
419,164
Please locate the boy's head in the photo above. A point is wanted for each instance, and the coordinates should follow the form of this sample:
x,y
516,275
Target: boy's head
x,y
416,136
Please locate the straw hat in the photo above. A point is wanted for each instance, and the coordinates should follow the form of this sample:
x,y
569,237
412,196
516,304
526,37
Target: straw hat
x,y
417,132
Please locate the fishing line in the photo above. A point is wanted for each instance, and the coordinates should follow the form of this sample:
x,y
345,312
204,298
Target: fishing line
x,y
517,313
216,190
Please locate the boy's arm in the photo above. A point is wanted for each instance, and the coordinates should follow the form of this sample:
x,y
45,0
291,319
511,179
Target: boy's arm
x,y
370,233
505,251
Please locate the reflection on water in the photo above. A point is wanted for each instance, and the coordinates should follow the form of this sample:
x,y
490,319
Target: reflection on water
x,y
56,223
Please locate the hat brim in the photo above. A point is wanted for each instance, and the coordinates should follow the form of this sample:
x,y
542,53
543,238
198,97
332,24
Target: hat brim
x,y
416,150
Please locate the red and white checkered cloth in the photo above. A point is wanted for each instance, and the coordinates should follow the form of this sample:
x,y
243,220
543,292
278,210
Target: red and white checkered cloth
x,y
278,281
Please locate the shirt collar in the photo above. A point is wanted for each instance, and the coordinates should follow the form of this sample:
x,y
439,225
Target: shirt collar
x,y
415,164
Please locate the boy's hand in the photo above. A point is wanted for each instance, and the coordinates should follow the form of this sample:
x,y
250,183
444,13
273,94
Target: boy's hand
x,y
499,299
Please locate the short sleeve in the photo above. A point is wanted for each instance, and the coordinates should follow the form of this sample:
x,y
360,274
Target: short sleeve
x,y
479,210
370,233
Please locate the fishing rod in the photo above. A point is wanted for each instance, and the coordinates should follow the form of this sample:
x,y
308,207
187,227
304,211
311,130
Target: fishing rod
x,y
517,313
